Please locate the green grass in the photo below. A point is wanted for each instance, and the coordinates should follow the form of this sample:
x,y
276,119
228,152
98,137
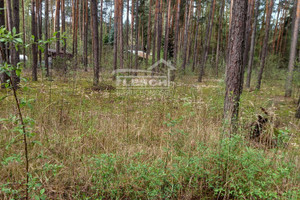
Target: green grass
x,y
146,144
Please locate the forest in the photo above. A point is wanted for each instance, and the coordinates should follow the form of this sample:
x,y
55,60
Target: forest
x,y
149,99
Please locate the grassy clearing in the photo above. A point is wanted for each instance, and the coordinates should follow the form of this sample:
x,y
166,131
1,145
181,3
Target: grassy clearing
x,y
147,145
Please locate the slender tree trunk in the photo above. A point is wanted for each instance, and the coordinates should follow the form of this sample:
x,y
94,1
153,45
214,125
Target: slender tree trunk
x,y
73,24
196,37
63,24
207,41
116,35
176,33
293,50
247,36
149,33
265,45
155,31
57,26
40,18
120,20
276,28
76,29
24,32
132,24
235,65
159,30
94,4
101,34
252,46
185,39
46,37
34,46
136,32
167,29
14,51
219,36
85,36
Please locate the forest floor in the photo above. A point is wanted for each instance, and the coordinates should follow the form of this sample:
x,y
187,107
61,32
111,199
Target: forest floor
x,y
87,144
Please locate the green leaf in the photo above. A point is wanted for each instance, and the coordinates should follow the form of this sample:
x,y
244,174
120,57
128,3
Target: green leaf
x,y
4,97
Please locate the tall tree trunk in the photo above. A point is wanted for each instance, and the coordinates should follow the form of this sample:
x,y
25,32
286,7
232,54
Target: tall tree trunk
x,y
207,40
155,31
94,4
46,37
63,24
235,65
186,29
40,23
57,26
132,24
293,50
196,36
219,36
15,23
276,28
120,20
76,29
252,46
167,29
176,33
34,46
24,32
247,36
265,45
136,32
85,36
149,32
115,35
101,34
159,30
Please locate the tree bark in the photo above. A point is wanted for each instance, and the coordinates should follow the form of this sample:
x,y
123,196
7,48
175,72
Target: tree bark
x,y
116,35
219,36
235,65
149,32
57,26
207,40
185,39
293,50
159,30
265,45
24,32
196,36
85,36
101,34
136,32
34,46
46,37
247,36
63,24
120,20
176,33
167,29
94,4
155,31
252,46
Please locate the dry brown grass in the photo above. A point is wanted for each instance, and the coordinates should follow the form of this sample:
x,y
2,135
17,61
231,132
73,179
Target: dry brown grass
x,y
74,124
